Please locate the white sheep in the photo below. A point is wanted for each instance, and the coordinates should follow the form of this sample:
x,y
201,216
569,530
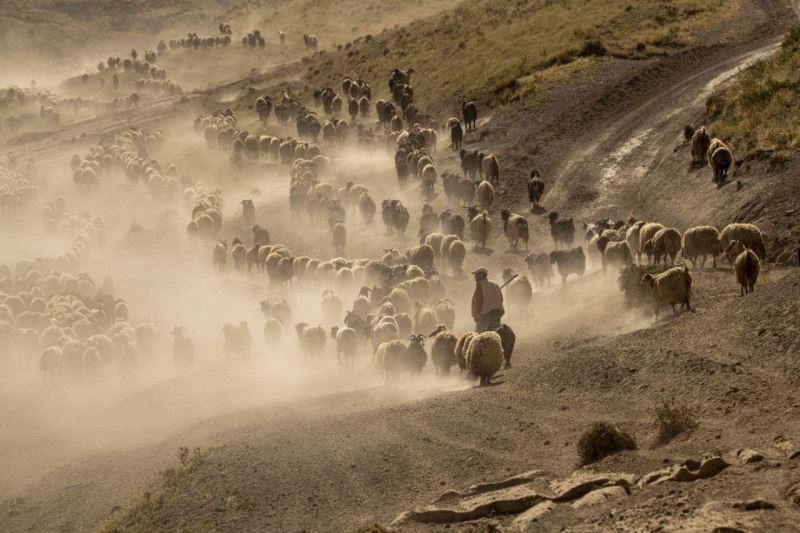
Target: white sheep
x,y
339,236
700,242
443,349
485,194
646,233
346,345
748,234
312,339
666,243
481,228
484,356
515,227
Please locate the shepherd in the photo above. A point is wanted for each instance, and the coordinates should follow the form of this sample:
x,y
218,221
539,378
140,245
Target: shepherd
x,y
487,302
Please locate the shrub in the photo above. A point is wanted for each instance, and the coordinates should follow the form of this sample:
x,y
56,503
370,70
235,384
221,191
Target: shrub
x,y
672,420
791,41
602,440
630,283
593,47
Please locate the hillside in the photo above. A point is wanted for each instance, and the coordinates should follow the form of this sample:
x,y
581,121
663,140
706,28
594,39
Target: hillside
x,y
499,51
758,111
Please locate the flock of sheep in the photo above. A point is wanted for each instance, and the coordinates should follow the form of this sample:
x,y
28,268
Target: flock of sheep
x,y
389,306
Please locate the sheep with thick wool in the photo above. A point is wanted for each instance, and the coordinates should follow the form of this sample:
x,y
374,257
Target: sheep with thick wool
x,y
443,349
747,267
667,243
700,242
484,356
749,235
485,194
311,338
390,357
481,228
646,233
346,345
673,286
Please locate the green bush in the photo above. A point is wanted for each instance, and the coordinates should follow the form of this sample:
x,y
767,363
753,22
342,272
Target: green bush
x,y
630,283
602,440
672,420
791,41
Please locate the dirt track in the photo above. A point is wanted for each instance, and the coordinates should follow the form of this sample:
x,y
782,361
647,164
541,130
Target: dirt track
x,y
351,457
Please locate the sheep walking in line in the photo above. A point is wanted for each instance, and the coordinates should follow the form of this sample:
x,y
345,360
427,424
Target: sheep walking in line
x,y
672,287
339,236
469,111
562,230
535,189
720,160
346,345
747,267
443,349
699,242
515,227
699,145
748,234
220,255
484,356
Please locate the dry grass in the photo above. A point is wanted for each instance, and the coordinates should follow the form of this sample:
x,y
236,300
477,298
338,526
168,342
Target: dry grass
x,y
759,111
602,440
489,47
673,420
143,516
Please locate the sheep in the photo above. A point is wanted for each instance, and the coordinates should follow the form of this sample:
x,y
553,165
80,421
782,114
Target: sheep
x,y
445,312
455,256
182,348
485,194
699,145
260,235
667,243
490,169
732,251
484,356
239,254
339,236
747,267
701,241
424,319
273,331
569,262
366,207
312,339
480,226
540,267
535,189
415,357
51,363
280,310
331,306
461,349
562,231
632,239
646,233
434,240
615,254
469,111
673,286
443,349
346,344
456,133
422,256
748,234
719,159
519,290
400,299
515,228
507,340
390,356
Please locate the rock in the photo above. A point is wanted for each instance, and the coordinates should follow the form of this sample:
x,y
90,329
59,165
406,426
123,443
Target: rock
x,y
747,456
753,505
511,500
683,473
523,521
793,494
581,483
600,495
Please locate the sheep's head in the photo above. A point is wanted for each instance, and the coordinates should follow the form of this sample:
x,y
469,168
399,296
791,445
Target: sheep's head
x,y
439,329
552,216
648,281
734,248
508,273
300,327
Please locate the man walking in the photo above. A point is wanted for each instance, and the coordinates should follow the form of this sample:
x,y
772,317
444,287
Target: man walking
x,y
487,302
